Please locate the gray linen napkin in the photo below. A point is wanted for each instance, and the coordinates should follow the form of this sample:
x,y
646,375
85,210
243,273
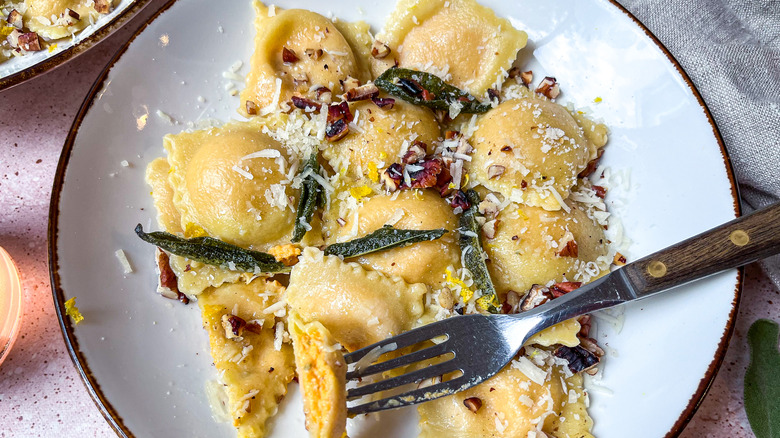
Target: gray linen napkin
x,y
731,51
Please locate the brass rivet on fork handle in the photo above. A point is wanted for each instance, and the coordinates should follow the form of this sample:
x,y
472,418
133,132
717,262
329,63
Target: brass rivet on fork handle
x,y
656,269
739,237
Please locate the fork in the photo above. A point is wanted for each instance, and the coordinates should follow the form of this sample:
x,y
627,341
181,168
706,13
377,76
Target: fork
x,y
481,345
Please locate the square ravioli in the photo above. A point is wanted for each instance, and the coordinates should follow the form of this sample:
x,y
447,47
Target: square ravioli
x,y
253,362
358,307
459,40
231,183
297,52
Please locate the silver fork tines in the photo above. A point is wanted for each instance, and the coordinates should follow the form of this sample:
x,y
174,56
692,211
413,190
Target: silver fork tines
x,y
460,341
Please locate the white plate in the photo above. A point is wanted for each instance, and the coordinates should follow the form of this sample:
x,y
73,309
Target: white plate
x,y
16,70
146,358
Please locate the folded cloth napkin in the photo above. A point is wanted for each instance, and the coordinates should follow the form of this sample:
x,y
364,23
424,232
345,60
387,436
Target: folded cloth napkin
x,y
731,51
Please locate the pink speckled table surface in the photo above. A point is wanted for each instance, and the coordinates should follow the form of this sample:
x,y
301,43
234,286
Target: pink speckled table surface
x,y
41,393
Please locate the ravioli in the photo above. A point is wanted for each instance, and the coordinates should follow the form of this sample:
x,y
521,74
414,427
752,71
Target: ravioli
x,y
322,374
358,307
329,61
529,240
254,372
224,189
460,40
530,150
43,17
192,277
423,262
511,405
384,136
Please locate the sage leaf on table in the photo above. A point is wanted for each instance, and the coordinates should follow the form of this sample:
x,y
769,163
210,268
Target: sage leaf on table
x,y
214,252
384,238
312,196
762,379
421,88
474,255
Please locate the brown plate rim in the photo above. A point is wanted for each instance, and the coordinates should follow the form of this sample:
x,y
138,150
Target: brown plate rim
x,y
73,51
113,417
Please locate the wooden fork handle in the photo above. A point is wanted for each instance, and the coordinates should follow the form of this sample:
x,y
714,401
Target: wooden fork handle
x,y
736,243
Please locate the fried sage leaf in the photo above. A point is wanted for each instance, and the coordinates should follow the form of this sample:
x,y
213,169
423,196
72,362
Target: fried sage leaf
x,y
214,252
421,88
762,380
474,256
384,238
312,196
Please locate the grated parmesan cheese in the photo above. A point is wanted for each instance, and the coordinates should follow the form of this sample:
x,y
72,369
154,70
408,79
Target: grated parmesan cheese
x,y
122,257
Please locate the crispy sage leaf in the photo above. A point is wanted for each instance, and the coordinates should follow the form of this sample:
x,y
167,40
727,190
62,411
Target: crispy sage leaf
x,y
384,238
762,380
421,88
214,252
474,256
312,196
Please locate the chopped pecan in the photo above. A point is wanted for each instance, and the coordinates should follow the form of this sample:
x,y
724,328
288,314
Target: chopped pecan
x,y
415,153
443,181
314,54
68,18
536,296
300,78
337,130
592,346
445,299
511,302
473,404
167,283
488,208
379,50
549,87
579,358
592,165
383,102
493,94
15,19
564,287
495,171
619,259
513,72
601,192
490,228
29,41
103,6
251,108
303,103
570,250
427,176
338,112
584,321
255,326
363,92
323,94
527,77
393,177
289,56
234,326
459,200
349,84
183,298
